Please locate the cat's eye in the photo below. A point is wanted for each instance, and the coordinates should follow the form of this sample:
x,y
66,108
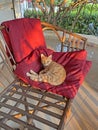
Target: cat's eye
x,y
48,62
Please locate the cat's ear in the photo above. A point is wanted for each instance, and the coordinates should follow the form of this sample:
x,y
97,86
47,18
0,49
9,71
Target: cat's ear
x,y
50,56
42,55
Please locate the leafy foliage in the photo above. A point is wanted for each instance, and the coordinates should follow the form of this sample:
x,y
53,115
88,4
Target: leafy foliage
x,y
76,15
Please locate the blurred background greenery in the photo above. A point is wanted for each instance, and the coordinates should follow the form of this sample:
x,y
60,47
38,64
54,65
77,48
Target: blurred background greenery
x,y
80,16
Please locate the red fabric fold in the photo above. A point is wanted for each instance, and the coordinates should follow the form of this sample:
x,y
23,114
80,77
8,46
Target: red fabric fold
x,y
23,36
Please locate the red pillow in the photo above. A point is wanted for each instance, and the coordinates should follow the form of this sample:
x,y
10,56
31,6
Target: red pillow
x,y
23,35
74,63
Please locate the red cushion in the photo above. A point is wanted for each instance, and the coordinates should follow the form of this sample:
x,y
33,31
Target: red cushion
x,y
22,36
74,63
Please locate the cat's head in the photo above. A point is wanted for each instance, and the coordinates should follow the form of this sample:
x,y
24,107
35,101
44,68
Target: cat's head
x,y
46,60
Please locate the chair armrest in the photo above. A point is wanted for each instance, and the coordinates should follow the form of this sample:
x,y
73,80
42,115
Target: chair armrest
x,y
67,39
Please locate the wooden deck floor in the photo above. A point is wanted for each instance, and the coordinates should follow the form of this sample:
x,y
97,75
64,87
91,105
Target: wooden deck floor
x,y
85,110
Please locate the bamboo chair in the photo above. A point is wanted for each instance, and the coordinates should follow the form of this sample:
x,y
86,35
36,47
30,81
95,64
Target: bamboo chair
x,y
26,107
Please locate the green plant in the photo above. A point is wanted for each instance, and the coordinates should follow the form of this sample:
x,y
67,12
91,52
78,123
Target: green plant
x,y
28,13
74,15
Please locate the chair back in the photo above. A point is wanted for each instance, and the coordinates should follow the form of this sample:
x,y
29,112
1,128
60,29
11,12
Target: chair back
x,y
70,41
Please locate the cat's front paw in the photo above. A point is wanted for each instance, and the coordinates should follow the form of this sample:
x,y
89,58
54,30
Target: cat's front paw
x,y
28,74
32,76
32,72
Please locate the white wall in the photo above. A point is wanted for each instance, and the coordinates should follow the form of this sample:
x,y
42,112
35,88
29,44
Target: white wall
x,y
6,12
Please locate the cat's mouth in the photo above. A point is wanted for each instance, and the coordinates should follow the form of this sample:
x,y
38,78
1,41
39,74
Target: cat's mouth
x,y
46,64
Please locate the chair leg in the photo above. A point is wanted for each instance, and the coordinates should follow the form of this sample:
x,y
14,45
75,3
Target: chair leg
x,y
66,114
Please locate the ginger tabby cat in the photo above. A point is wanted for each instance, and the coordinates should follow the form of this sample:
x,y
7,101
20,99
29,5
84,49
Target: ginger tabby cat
x,y
53,73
